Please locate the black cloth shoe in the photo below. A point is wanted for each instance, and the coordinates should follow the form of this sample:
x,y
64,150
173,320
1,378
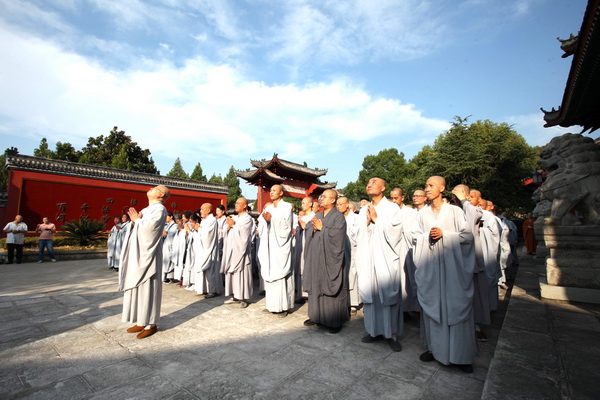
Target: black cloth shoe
x,y
368,339
243,304
468,368
426,357
211,295
308,322
282,314
335,330
395,345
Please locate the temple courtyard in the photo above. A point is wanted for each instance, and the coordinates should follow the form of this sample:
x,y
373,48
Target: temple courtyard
x,y
61,337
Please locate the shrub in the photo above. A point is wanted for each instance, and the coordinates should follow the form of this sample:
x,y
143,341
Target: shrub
x,y
85,230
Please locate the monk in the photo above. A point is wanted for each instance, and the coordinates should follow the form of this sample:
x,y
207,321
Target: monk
x,y
378,262
445,280
275,254
343,206
237,257
140,275
529,234
326,273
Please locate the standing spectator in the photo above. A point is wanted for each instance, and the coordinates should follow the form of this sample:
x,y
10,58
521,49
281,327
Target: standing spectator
x,y
47,231
15,238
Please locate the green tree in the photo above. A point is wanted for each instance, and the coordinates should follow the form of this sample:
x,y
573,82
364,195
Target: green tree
x,y
388,165
43,150
66,152
197,174
490,157
233,185
103,150
177,171
216,179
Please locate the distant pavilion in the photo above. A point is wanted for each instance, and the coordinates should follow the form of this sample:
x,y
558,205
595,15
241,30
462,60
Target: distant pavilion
x,y
298,180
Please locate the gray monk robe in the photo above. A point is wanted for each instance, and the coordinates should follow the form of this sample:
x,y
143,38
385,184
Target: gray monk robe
x,y
275,255
350,258
378,267
445,285
490,244
141,267
205,257
325,272
481,289
237,258
405,252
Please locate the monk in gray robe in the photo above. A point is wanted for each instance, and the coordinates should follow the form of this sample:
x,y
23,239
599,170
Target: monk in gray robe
x,y
205,245
141,265
405,252
237,257
325,273
275,254
445,280
378,263
114,245
469,202
490,244
169,258
304,218
343,206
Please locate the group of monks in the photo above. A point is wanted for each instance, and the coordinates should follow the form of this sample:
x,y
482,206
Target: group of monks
x,y
441,259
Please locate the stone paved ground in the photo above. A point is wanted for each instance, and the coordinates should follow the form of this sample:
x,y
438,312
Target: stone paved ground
x,y
61,337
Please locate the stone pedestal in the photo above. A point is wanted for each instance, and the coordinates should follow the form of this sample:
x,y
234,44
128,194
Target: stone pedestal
x,y
573,263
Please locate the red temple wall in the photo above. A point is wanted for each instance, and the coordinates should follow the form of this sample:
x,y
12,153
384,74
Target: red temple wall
x,y
65,198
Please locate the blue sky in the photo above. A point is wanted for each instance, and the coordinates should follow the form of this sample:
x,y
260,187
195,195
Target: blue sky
x,y
322,81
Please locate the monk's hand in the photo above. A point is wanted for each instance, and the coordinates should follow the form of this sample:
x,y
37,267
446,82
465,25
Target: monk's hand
x,y
230,221
133,214
460,193
267,216
302,223
372,213
436,233
164,233
293,231
317,224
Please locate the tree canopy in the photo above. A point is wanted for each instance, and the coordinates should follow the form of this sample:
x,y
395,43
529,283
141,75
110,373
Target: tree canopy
x,y
116,150
197,174
233,185
177,171
484,155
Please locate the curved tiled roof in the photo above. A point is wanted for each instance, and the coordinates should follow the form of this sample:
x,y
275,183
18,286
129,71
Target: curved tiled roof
x,y
59,167
292,166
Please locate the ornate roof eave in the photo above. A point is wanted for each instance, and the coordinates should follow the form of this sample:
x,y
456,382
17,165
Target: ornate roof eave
x,y
292,166
67,168
260,173
581,99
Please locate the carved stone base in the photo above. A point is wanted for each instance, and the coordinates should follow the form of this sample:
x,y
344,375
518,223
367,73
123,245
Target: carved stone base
x,y
569,293
574,259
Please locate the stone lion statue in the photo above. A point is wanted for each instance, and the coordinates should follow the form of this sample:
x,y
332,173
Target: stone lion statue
x,y
572,165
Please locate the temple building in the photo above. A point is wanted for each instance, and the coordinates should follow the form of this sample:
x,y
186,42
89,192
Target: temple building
x,y
65,191
298,180
581,100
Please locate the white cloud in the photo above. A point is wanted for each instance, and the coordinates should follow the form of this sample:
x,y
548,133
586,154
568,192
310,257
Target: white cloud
x,y
197,109
347,32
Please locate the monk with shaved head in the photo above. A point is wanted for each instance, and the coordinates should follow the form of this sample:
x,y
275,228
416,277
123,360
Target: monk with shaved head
x,y
141,265
378,261
275,254
326,273
444,276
